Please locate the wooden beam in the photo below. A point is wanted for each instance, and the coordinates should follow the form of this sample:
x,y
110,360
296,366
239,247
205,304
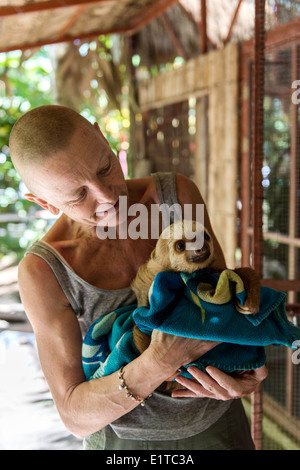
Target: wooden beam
x,y
293,310
69,38
203,27
275,38
283,285
198,26
189,14
258,133
233,21
277,237
257,188
10,10
154,10
172,34
72,20
150,13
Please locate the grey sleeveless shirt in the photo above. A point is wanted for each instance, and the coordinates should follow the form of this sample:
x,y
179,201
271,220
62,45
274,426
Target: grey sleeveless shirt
x,y
163,417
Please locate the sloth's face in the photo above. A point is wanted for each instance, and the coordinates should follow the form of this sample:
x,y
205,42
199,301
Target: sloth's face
x,y
185,246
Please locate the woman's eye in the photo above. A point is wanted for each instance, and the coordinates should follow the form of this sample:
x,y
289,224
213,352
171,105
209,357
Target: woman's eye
x,y
104,170
80,199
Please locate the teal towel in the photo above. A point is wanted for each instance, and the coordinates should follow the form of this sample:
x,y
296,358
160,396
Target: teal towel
x,y
108,344
177,306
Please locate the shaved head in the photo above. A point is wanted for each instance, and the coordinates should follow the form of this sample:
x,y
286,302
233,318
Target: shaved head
x,y
40,133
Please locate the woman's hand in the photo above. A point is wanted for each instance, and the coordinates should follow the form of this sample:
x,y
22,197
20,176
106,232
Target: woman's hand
x,y
171,352
216,384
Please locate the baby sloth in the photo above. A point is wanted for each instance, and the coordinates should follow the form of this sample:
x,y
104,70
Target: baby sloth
x,y
178,249
185,246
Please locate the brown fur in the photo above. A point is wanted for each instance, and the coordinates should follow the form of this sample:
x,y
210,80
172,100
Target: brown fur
x,y
251,283
165,258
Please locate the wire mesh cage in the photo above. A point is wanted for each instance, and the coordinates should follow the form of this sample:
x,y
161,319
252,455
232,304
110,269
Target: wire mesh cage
x,y
271,182
278,190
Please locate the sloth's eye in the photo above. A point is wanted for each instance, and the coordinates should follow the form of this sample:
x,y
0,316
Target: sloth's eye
x,y
206,236
180,246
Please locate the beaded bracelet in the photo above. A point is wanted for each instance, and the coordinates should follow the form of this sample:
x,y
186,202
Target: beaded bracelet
x,y
123,386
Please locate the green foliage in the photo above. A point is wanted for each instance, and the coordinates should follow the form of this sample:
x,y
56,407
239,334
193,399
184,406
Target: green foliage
x,y
276,169
105,98
24,84
276,182
27,82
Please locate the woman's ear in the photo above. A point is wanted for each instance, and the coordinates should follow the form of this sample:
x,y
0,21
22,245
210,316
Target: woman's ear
x,y
96,125
42,203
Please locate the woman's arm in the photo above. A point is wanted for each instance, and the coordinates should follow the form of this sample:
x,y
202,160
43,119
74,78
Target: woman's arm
x,y
85,407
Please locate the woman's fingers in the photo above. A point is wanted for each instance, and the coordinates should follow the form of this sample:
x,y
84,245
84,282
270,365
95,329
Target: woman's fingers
x,y
219,385
241,385
202,386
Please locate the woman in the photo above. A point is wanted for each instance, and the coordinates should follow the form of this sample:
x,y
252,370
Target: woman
x,y
72,277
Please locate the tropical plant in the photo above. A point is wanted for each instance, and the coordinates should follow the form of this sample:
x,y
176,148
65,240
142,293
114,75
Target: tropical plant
x,y
25,82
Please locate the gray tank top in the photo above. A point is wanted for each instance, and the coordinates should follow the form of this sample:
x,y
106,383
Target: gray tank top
x,y
163,417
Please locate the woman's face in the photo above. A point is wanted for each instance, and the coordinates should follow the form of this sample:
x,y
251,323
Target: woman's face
x,y
84,180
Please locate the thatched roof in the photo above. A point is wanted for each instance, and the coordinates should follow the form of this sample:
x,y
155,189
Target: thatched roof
x,y
32,23
26,24
183,21
226,21
160,31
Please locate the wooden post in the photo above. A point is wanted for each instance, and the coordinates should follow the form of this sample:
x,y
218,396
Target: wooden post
x,y
257,188
233,21
203,29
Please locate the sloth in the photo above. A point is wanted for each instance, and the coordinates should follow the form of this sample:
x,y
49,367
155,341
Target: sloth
x,y
176,250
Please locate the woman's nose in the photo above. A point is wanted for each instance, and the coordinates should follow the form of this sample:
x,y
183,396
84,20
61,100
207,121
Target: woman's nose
x,y
104,194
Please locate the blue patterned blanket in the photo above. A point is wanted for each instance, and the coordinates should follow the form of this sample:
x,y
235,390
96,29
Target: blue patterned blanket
x,y
199,305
